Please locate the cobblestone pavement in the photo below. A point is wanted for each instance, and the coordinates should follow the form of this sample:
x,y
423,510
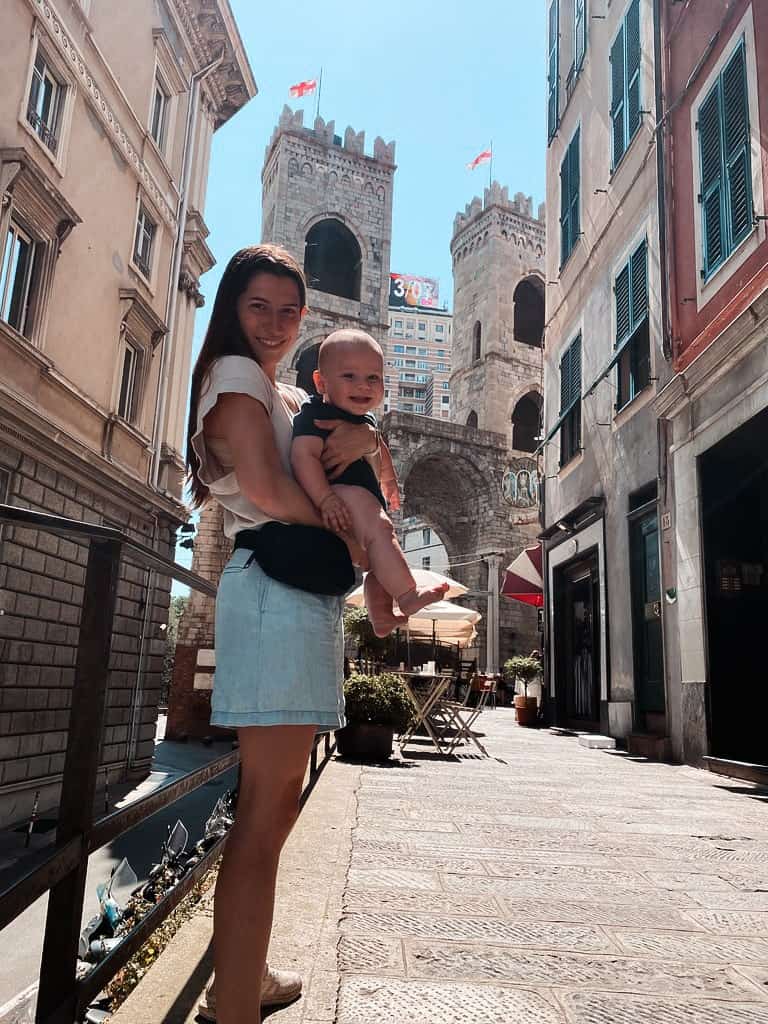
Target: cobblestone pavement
x,y
552,884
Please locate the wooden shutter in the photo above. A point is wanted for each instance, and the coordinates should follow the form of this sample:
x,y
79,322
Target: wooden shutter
x,y
623,308
632,72
617,97
574,177
639,286
575,371
580,34
565,206
553,72
710,151
565,380
735,107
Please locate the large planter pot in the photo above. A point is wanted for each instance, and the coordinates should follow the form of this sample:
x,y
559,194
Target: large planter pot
x,y
526,710
365,741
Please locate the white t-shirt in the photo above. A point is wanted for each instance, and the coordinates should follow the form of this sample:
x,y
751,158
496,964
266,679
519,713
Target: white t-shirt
x,y
243,376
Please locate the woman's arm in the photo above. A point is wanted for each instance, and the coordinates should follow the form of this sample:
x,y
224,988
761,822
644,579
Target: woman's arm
x,y
244,423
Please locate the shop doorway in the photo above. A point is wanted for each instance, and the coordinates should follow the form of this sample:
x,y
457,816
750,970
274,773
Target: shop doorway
x,y
577,644
646,615
734,497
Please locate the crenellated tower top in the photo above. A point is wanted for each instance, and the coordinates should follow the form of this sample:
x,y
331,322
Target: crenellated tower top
x,y
325,132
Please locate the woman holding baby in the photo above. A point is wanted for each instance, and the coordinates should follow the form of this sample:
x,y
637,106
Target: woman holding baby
x,y
287,575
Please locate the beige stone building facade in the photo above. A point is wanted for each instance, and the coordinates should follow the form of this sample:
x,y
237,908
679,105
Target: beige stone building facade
x,y
107,113
604,364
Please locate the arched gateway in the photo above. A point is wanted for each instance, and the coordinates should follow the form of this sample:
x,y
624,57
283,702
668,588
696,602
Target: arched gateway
x,y
456,479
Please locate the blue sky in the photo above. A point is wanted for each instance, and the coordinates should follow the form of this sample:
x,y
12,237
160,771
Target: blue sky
x,y
440,78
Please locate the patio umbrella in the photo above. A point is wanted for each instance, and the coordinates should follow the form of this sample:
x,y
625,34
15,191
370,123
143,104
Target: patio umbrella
x,y
424,578
522,578
445,621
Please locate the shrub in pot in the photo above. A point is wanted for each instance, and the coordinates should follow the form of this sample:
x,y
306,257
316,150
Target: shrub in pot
x,y
522,669
377,707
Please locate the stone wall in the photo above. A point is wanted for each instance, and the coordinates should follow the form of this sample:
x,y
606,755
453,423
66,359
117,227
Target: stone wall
x,y
41,593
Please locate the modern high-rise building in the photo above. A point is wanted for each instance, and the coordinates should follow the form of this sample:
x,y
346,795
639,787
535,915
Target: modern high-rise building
x,y
417,356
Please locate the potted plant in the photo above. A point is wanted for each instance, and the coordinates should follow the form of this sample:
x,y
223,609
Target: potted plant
x,y
376,708
523,669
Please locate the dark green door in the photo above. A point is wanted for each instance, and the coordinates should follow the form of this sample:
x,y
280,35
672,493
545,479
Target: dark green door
x,y
646,614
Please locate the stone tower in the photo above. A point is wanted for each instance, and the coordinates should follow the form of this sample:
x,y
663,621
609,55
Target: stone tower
x,y
498,316
330,206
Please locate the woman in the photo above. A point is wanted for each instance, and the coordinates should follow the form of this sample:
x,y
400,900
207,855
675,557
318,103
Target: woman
x,y
279,649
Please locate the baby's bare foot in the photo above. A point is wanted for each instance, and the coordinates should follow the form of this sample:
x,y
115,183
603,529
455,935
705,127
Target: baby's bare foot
x,y
414,600
386,623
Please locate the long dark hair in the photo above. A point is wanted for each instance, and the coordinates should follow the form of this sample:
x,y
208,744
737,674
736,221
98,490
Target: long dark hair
x,y
224,336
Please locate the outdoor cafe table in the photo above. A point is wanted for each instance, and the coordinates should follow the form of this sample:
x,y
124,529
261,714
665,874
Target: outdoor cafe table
x,y
425,690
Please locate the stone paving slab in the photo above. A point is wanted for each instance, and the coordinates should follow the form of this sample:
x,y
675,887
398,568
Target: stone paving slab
x,y
392,1001
524,967
547,884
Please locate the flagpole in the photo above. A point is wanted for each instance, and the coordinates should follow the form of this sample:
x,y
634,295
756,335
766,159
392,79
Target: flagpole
x,y
319,91
490,166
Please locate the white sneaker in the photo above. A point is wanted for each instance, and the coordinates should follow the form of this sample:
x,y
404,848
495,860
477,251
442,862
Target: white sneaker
x,y
277,989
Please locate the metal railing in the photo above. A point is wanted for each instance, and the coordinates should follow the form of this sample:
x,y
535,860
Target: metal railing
x,y
61,870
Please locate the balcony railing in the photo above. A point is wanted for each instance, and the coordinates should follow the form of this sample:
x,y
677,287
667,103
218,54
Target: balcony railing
x,y
61,871
42,129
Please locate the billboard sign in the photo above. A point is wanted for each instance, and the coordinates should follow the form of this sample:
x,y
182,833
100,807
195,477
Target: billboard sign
x,y
411,292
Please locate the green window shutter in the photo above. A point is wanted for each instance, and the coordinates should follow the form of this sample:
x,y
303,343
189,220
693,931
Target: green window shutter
x,y
639,285
580,23
565,205
736,139
575,182
553,72
710,153
565,380
632,72
623,307
617,98
575,371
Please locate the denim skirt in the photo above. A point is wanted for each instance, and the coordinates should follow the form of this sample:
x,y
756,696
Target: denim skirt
x,y
279,652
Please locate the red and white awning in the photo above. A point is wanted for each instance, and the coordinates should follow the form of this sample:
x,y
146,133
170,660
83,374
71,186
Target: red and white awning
x,y
522,578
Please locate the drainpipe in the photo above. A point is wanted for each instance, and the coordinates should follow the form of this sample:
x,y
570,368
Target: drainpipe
x,y
178,250
661,179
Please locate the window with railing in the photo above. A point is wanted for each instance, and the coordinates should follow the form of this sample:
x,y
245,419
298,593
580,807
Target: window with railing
x,y
146,229
16,277
46,101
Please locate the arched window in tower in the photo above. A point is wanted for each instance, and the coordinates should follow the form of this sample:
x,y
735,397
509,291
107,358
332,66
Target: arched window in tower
x,y
525,423
477,334
332,259
305,367
472,419
529,312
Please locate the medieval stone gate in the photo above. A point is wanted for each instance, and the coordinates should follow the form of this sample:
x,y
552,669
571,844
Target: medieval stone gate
x,y
481,499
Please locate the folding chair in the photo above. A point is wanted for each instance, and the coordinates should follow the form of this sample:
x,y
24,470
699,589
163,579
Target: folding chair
x,y
461,717
425,703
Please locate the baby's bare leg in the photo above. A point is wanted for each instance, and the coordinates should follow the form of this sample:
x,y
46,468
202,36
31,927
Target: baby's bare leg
x,y
374,531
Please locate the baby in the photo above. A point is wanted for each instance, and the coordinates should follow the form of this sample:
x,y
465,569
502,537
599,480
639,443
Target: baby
x,y
350,379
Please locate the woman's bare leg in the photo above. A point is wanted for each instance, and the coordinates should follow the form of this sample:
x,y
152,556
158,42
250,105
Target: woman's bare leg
x,y
273,762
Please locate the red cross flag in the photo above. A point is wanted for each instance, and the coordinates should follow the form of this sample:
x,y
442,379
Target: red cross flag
x,y
481,158
303,88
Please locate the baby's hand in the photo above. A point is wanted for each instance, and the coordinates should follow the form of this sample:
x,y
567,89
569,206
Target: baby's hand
x,y
335,514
